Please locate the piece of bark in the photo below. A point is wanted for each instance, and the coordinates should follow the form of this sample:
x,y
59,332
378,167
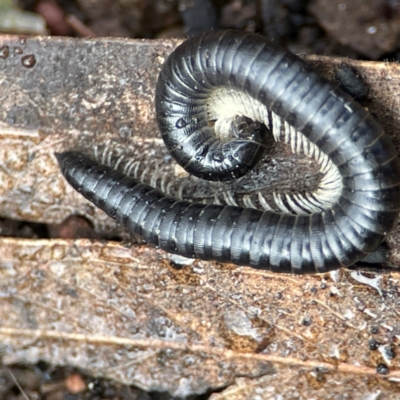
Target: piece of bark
x,y
78,94
131,315
97,96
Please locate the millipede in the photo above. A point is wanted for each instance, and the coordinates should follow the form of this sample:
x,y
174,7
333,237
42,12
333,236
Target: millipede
x,y
205,84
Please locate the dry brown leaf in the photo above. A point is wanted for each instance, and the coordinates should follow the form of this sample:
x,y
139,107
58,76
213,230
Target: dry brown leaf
x,y
128,314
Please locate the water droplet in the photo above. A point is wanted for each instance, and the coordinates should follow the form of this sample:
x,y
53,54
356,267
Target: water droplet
x,y
341,7
4,52
181,123
124,132
371,30
17,50
382,369
22,39
28,61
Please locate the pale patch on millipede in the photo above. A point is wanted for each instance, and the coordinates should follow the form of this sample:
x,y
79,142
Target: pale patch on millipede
x,y
186,188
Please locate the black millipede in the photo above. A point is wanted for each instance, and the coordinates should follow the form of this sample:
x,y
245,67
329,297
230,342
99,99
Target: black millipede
x,y
222,74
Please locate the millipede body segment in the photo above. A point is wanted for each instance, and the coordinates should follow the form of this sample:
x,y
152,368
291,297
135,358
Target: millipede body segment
x,y
209,80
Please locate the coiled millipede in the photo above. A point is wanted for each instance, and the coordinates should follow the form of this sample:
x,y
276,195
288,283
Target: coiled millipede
x,y
358,199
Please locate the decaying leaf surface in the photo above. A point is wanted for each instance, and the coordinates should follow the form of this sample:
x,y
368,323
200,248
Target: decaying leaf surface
x,y
295,383
130,314
76,94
